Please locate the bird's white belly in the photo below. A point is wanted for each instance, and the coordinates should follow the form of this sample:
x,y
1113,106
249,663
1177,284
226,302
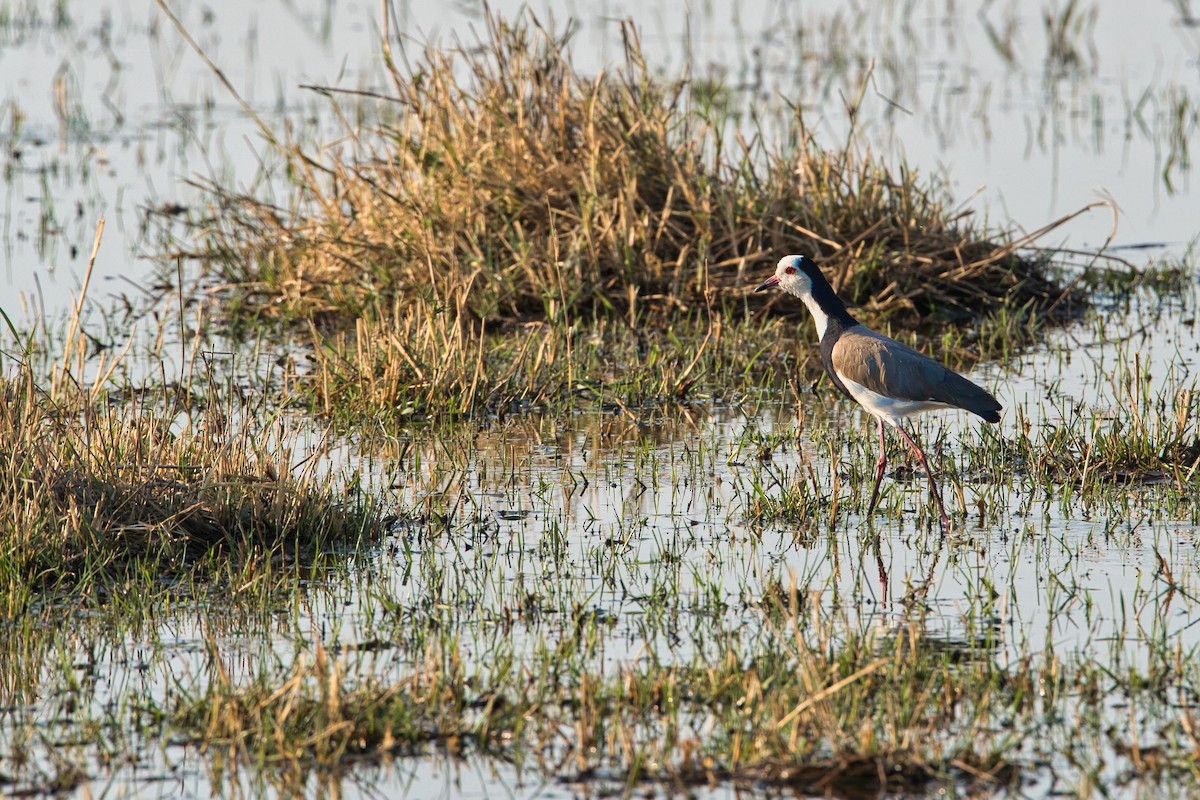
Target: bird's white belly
x,y
889,409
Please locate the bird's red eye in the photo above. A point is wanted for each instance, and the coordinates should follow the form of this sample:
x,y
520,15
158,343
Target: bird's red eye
x,y
790,270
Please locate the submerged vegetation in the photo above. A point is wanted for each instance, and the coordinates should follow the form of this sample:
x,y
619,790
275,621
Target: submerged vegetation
x,y
806,701
802,707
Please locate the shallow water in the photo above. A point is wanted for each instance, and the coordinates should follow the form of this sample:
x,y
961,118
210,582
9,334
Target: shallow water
x,y
597,509
646,526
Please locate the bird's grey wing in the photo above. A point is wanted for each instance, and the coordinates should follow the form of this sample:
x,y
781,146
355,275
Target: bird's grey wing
x,y
888,367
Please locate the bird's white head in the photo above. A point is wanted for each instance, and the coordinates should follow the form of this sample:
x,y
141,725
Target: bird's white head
x,y
792,274
800,276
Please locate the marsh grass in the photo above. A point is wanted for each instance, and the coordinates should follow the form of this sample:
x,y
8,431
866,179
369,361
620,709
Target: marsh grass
x,y
527,190
1137,441
497,191
420,364
93,491
501,612
806,706
104,481
113,517
1140,431
497,618
504,636
121,505
803,697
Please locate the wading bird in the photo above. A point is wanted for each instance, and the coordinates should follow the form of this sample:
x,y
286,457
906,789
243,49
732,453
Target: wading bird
x,y
889,379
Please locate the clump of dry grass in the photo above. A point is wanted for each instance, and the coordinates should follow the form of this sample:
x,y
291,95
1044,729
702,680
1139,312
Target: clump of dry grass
x,y
89,491
160,482
504,186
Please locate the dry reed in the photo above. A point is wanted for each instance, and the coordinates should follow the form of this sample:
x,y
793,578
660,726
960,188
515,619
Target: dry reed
x,y
502,185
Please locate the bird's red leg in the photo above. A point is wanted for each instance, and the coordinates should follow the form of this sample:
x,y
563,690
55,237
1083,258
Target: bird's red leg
x,y
879,467
933,490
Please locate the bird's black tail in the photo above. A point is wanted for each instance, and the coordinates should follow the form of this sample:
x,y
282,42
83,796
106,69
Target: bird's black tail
x,y
958,391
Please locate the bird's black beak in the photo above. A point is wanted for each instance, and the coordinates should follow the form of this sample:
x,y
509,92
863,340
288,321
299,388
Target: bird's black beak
x,y
768,283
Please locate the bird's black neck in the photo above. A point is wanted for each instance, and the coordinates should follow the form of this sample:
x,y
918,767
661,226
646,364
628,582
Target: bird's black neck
x,y
826,298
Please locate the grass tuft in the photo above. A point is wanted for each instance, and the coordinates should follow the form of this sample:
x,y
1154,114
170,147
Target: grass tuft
x,y
1135,433
527,190
499,187
93,494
